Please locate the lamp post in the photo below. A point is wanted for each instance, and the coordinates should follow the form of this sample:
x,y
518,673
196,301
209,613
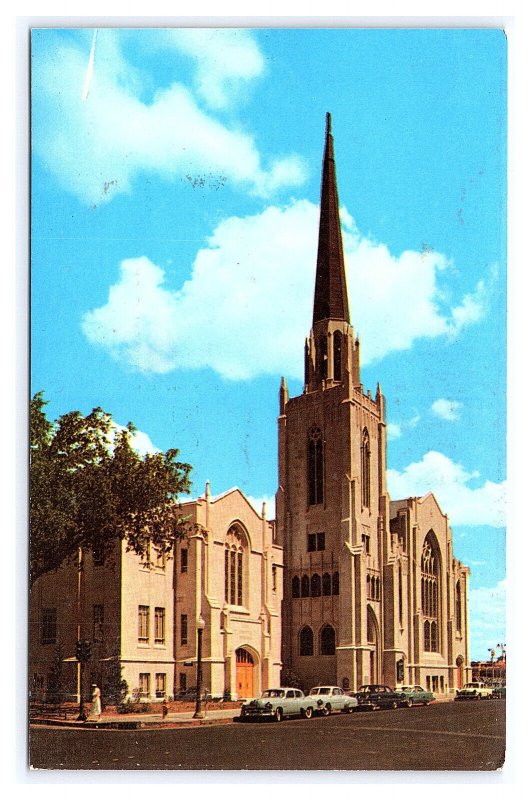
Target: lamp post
x,y
200,627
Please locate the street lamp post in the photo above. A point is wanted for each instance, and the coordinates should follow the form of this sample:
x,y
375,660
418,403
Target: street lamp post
x,y
200,627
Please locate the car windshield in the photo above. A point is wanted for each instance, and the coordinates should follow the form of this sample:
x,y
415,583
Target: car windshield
x,y
472,686
321,690
406,688
273,693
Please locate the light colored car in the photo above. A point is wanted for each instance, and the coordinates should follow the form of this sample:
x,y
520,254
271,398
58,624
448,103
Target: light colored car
x,y
331,698
414,694
277,704
474,691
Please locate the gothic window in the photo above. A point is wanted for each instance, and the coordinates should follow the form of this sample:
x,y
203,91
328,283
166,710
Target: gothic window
x,y
458,607
328,641
296,587
337,356
400,596
305,586
316,585
315,466
235,546
327,584
335,583
306,641
430,593
365,469
322,358
377,588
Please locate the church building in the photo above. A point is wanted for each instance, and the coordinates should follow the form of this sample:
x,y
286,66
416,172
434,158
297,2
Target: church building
x,y
372,592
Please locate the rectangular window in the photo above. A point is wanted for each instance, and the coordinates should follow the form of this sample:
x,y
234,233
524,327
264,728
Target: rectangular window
x,y
160,558
184,629
160,614
184,560
435,683
316,541
274,578
97,556
428,681
143,623
366,542
144,680
97,623
48,626
320,543
182,681
441,683
160,684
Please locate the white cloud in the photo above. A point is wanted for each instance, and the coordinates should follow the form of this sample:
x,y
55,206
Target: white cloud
x,y
97,147
246,307
396,429
487,618
450,483
257,502
139,441
449,410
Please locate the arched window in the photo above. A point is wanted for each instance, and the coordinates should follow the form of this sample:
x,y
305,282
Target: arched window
x,y
235,547
296,587
337,355
369,587
327,584
328,641
365,469
377,588
322,358
430,591
335,583
373,587
400,595
315,466
458,607
306,641
316,585
305,586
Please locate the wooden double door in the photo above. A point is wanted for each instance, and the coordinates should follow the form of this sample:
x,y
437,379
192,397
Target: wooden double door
x,y
244,673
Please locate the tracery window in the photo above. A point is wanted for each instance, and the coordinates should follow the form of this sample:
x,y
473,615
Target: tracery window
x,y
306,641
305,586
327,584
400,595
235,546
430,588
315,466
335,583
365,469
296,587
316,585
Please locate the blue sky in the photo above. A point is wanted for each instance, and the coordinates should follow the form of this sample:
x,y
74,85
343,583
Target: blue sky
x,y
175,190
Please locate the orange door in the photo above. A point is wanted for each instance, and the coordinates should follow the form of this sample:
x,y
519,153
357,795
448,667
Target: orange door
x,y
244,673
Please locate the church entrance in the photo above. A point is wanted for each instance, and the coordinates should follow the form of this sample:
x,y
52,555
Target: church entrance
x,y
244,673
372,641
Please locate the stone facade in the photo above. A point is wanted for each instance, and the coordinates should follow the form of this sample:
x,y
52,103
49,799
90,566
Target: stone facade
x,y
143,619
359,605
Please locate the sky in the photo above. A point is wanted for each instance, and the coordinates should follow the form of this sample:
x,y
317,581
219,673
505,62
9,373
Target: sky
x,y
174,220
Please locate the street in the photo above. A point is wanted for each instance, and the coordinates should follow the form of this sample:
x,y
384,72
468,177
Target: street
x,y
443,736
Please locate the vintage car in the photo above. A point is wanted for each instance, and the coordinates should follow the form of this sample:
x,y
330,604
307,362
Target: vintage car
x,y
326,699
372,696
474,691
276,704
414,694
498,692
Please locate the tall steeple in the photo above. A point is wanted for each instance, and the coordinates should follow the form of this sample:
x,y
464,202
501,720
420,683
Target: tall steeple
x,y
330,299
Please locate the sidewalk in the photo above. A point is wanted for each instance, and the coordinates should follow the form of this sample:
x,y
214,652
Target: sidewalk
x,y
183,719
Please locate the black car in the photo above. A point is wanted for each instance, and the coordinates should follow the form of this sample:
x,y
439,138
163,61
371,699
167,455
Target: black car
x,y
372,696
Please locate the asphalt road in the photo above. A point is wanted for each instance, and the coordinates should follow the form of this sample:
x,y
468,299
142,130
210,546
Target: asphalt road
x,y
445,736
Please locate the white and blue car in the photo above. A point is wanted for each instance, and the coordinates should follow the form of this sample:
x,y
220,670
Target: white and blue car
x,y
276,704
326,699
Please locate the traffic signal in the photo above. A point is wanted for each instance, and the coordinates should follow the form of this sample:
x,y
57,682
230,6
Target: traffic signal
x,y
79,650
83,650
88,650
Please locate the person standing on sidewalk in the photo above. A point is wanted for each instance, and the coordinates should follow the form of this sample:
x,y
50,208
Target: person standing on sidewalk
x,y
95,706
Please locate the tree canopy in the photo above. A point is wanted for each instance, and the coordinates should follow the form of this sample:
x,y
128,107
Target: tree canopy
x,y
89,488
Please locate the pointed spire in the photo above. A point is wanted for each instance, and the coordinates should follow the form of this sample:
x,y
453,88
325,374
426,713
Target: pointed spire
x,y
330,299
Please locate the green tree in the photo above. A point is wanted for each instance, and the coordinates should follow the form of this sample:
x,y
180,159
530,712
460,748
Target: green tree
x,y
89,489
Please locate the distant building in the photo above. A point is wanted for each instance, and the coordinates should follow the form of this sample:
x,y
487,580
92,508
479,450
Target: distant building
x,y
142,620
372,590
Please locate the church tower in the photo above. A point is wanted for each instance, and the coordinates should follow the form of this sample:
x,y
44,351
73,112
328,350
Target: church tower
x,y
332,503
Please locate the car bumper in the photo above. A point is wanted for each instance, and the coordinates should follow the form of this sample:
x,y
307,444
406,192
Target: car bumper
x,y
248,713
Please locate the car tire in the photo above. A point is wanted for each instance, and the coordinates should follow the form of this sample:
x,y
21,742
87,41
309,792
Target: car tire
x,y
409,702
327,710
307,713
278,715
394,704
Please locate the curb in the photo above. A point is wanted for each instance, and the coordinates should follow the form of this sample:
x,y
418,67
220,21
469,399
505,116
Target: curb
x,y
129,724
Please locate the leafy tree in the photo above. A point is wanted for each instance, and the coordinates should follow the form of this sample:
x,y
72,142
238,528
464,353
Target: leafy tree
x,y
90,489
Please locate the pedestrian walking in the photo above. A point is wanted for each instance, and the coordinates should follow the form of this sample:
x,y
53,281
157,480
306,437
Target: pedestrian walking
x,y
165,708
95,705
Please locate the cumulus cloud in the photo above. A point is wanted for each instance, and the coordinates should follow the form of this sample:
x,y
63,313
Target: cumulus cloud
x,y
139,441
257,502
396,429
449,410
487,618
246,307
465,504
97,146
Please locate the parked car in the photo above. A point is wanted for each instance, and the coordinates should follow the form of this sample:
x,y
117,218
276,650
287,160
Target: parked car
x,y
474,691
414,694
277,704
371,696
331,698
498,693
